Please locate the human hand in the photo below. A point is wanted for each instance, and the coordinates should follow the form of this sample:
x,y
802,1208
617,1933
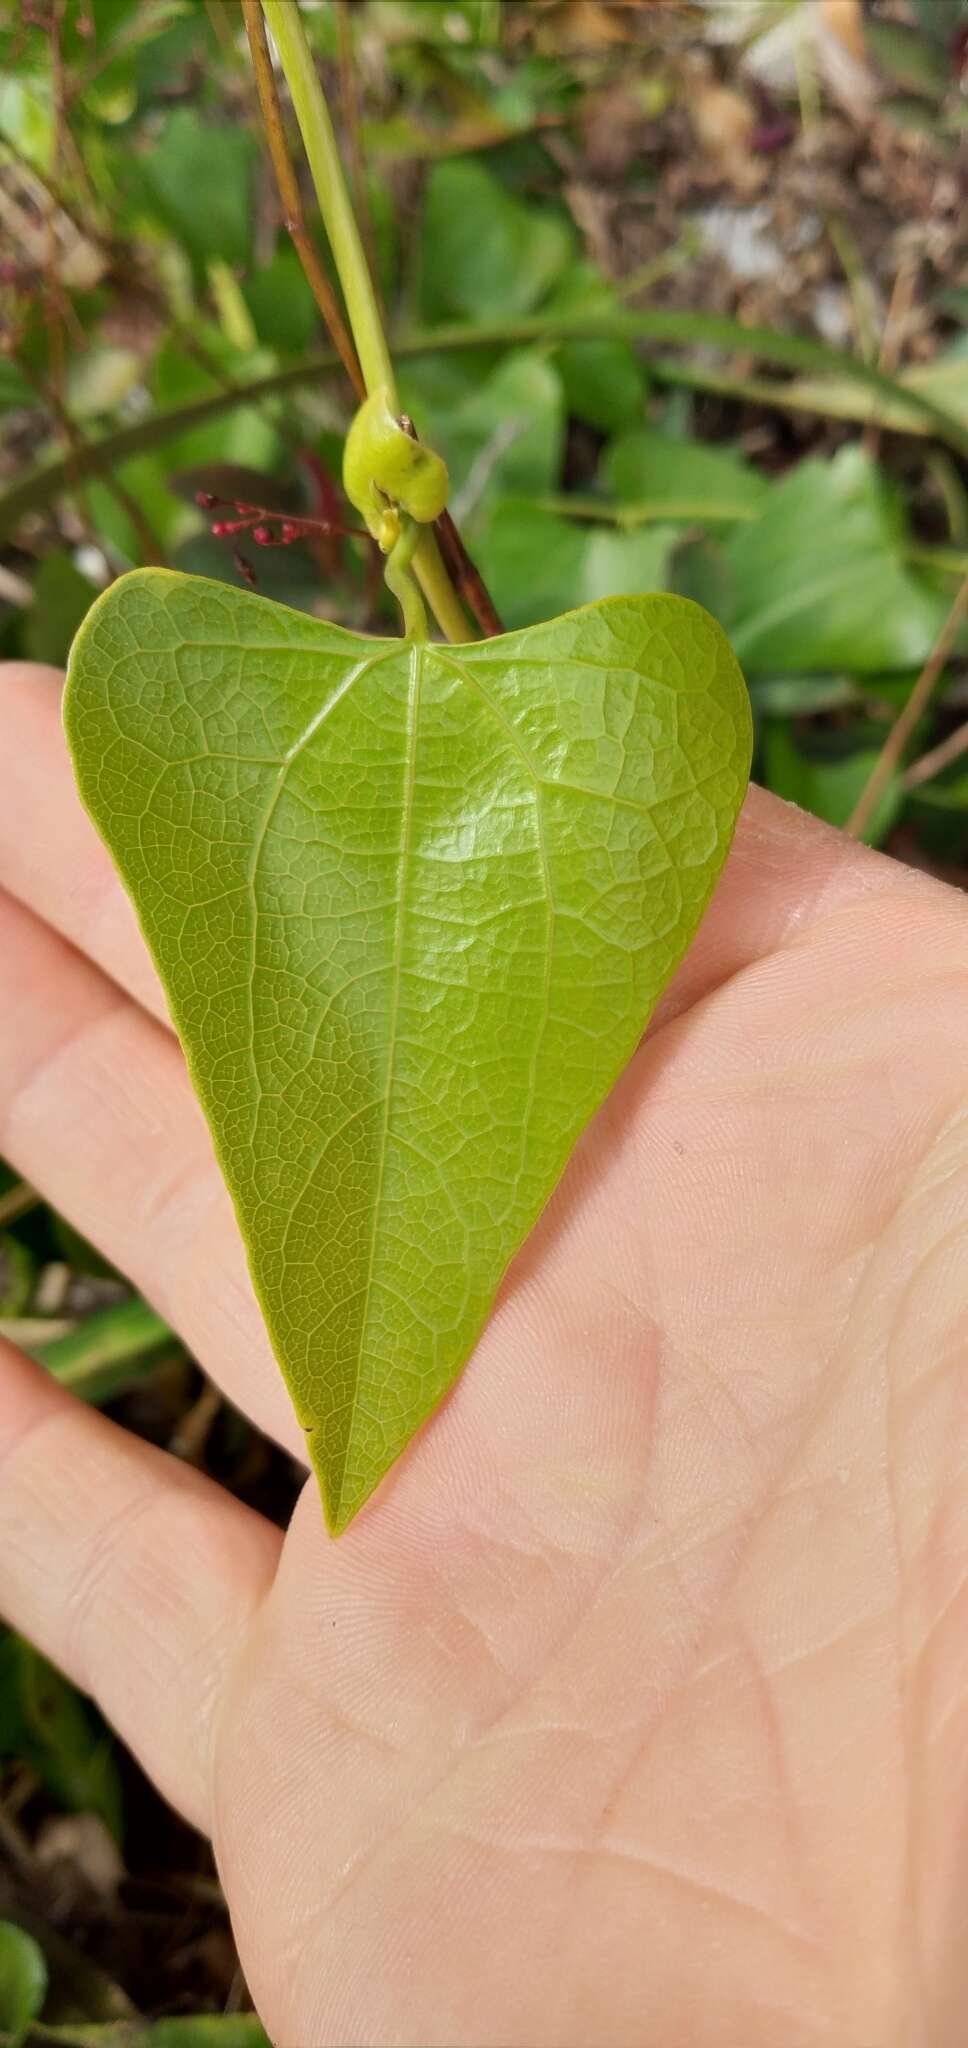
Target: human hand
x,y
633,1708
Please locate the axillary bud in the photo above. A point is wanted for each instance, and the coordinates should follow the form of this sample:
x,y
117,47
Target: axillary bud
x,y
386,472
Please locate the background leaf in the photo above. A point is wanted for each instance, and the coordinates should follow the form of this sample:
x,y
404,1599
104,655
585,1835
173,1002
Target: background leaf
x,y
819,581
62,596
829,785
108,1351
504,436
44,1719
483,252
195,181
16,1274
23,1983
683,478
604,381
204,2030
537,563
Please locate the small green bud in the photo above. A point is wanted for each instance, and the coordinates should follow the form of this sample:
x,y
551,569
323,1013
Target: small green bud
x,y
386,472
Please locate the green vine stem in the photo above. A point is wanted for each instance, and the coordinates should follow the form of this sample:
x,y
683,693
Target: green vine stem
x,y
319,140
403,584
439,590
284,171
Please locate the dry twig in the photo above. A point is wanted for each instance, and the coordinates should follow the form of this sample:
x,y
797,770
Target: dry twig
x,y
892,752
466,577
944,755
288,184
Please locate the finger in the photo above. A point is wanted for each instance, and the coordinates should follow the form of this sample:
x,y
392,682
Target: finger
x,y
96,1109
50,855
135,1574
784,867
785,871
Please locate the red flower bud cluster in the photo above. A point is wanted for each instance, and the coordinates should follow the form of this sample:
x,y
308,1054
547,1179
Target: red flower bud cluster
x,y
267,528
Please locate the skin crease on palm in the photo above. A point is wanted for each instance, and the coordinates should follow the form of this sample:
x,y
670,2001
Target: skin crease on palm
x,y
633,1709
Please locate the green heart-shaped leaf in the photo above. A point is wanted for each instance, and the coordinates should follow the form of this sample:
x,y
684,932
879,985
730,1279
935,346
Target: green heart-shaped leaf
x,y
412,907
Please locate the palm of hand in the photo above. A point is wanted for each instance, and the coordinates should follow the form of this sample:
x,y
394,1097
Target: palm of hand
x,y
633,1708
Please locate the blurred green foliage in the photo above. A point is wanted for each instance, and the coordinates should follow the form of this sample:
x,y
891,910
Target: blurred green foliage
x,y
44,1721
23,1983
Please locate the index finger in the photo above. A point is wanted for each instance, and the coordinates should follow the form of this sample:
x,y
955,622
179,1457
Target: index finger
x,y
51,858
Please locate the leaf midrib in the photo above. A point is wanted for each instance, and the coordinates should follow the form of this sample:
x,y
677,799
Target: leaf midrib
x,y
539,783
396,976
